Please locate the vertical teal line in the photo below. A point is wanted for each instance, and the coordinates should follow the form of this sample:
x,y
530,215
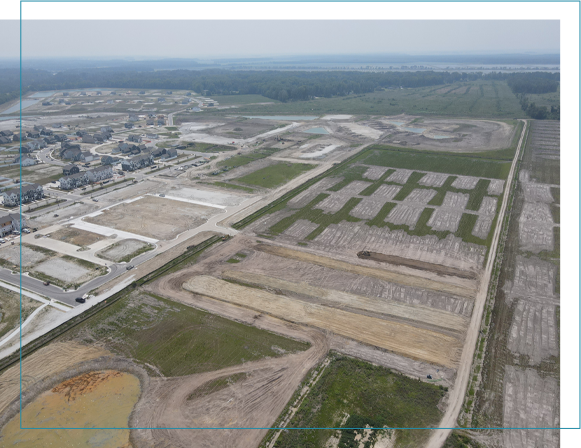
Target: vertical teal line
x,y
20,217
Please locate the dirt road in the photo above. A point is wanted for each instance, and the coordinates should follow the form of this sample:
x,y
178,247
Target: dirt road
x,y
457,393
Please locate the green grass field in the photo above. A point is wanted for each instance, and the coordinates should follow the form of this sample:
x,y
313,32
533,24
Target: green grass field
x,y
245,158
275,175
484,99
437,162
242,99
177,339
370,395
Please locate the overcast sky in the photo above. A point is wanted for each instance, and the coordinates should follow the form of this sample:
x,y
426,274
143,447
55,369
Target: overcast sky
x,y
211,39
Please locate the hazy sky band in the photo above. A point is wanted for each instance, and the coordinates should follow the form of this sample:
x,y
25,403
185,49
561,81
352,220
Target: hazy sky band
x,y
248,38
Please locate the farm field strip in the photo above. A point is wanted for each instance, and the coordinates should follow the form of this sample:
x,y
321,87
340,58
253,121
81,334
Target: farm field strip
x,y
401,338
418,313
463,288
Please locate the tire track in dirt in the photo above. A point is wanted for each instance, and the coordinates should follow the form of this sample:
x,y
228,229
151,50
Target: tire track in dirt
x,y
389,276
255,402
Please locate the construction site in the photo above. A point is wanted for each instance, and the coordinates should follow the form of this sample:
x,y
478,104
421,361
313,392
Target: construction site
x,y
247,301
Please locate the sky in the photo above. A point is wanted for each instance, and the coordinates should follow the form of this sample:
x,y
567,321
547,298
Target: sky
x,y
248,38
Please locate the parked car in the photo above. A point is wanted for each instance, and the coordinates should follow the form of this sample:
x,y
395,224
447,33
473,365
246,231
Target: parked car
x,y
80,300
162,195
129,267
95,200
15,232
2,240
46,283
25,231
55,216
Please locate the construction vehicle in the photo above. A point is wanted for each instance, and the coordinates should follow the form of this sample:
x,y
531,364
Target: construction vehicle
x,y
364,253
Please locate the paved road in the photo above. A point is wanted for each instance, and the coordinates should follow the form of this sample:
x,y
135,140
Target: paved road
x,y
69,297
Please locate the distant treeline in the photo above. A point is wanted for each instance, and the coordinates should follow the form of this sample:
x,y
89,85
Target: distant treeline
x,y
533,82
278,85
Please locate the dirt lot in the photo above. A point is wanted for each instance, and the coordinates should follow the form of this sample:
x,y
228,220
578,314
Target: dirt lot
x,y
122,250
404,339
154,217
44,363
394,259
30,257
77,237
64,270
468,289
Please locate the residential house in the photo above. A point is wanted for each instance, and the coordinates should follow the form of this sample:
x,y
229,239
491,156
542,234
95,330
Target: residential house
x,y
135,150
122,147
46,103
158,152
65,93
10,222
128,125
86,156
113,92
100,138
142,92
98,92
133,118
33,134
74,181
171,153
161,122
73,154
68,103
46,132
88,139
5,140
61,101
185,101
6,133
70,169
83,93
38,127
152,136
17,137
106,129
151,115
189,94
60,137
134,138
169,92
81,132
161,100
51,139
57,125
100,173
30,192
150,122
108,160
31,146
137,162
25,160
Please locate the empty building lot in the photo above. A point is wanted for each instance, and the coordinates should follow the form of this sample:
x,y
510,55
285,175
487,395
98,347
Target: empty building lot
x,y
154,217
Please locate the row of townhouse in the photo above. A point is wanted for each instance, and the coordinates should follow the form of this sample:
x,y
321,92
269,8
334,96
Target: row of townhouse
x,y
135,163
30,192
80,179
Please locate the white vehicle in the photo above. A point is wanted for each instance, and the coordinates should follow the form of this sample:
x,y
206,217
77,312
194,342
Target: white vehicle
x,y
2,240
25,231
15,232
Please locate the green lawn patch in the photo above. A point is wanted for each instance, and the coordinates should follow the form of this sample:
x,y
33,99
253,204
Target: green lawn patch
x,y
178,339
436,162
275,175
233,186
371,395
